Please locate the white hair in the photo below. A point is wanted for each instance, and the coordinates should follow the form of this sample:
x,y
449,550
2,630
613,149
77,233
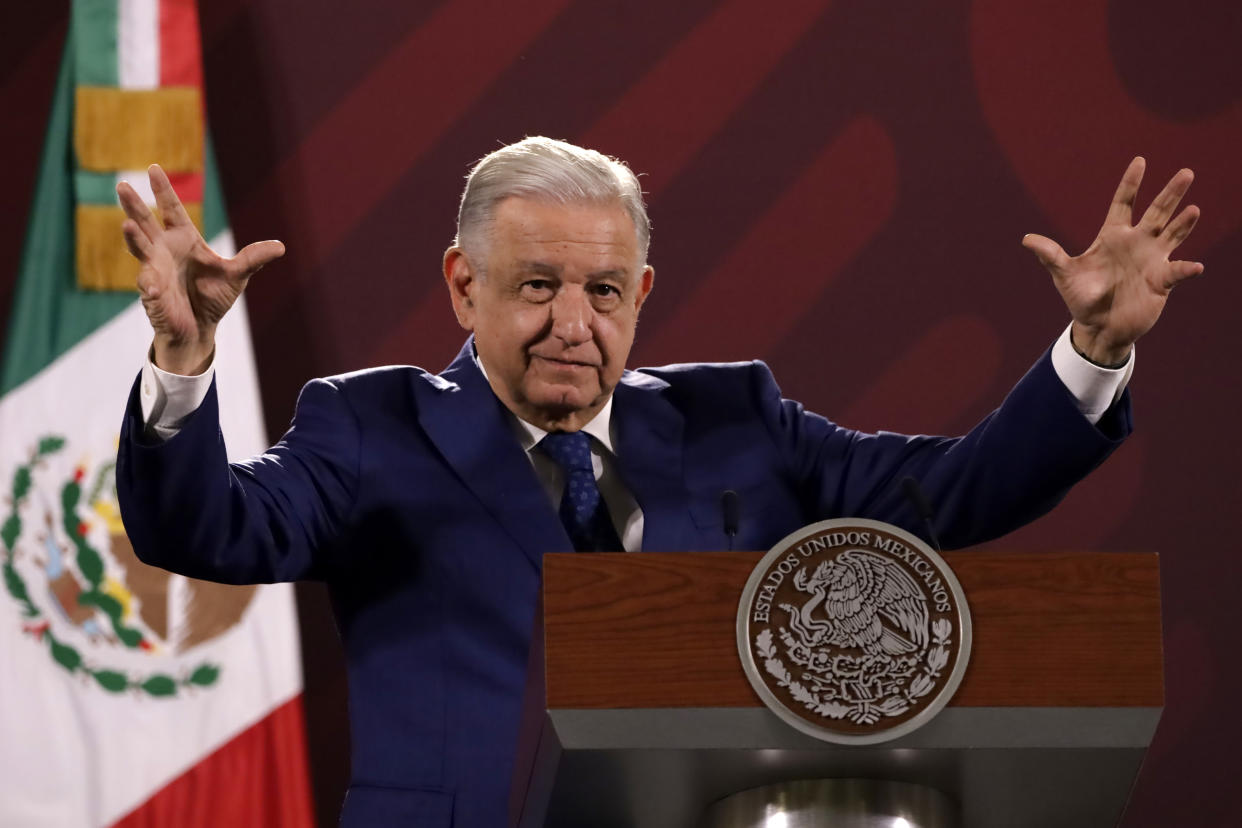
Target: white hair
x,y
544,169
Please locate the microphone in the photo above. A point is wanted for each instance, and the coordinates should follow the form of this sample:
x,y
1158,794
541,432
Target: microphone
x,y
914,493
731,507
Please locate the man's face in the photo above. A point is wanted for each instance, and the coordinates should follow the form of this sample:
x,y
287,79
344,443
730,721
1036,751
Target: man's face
x,y
554,310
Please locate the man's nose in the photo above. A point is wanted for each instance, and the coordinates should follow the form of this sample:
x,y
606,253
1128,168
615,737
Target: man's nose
x,y
571,315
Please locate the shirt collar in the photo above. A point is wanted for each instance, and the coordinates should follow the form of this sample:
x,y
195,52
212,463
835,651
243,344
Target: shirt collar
x,y
529,434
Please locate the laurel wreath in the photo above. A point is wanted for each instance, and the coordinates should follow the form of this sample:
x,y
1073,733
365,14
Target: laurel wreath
x,y
91,566
863,712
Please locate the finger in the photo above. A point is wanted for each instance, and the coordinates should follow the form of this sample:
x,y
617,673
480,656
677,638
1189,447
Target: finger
x,y
1157,215
137,210
1180,272
136,240
1050,254
254,256
166,198
1122,208
1179,228
142,249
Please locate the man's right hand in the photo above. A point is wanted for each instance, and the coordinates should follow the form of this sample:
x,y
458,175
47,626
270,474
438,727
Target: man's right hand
x,y
185,286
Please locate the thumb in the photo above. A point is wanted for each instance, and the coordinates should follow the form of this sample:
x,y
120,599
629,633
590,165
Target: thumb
x,y
254,256
1050,254
1180,271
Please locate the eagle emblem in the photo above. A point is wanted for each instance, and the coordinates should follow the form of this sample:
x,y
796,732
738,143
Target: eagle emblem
x,y
862,601
82,592
853,631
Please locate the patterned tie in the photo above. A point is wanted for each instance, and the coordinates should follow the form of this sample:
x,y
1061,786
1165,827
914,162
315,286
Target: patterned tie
x,y
583,510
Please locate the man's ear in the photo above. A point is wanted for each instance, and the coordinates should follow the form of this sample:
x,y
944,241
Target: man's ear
x,y
462,281
646,281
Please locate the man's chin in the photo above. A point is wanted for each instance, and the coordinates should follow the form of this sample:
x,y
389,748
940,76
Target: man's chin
x,y
560,402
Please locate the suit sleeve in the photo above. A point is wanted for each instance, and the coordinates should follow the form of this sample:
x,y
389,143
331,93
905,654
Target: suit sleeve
x,y
1011,468
276,517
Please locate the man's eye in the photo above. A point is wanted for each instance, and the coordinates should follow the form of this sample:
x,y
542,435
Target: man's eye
x,y
538,287
606,290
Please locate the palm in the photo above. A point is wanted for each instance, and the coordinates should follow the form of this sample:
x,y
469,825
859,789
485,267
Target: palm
x,y
185,286
191,284
1117,288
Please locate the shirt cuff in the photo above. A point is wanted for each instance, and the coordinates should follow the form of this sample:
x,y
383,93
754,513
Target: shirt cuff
x,y
1094,388
168,399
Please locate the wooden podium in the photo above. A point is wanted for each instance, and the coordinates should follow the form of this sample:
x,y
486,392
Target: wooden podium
x,y
638,714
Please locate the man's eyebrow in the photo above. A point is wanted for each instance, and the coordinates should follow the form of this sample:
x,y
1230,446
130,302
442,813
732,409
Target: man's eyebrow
x,y
547,269
612,273
542,268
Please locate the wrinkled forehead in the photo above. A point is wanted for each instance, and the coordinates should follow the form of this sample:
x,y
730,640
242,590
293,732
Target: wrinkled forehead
x,y
544,208
541,206
602,230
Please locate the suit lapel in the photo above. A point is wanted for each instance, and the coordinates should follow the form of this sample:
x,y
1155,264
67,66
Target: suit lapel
x,y
651,457
470,427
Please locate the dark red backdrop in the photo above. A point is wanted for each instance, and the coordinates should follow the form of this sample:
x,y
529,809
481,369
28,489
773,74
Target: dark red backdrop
x,y
838,188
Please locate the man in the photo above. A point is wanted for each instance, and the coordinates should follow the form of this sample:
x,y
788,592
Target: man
x,y
426,501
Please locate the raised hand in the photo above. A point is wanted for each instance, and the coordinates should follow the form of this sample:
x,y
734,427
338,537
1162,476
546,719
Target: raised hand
x,y
1117,288
185,286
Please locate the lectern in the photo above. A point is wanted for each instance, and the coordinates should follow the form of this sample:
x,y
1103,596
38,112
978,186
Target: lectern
x,y
638,714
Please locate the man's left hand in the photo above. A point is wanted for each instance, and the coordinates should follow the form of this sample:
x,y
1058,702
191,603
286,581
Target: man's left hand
x,y
1117,288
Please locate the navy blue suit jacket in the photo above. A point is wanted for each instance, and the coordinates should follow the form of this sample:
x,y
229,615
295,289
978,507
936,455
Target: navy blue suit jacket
x,y
408,493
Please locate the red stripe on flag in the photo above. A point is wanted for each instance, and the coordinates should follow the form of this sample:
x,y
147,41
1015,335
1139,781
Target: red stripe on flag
x,y
189,186
257,778
761,291
181,61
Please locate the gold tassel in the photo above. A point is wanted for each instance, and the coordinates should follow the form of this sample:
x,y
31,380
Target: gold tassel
x,y
103,261
130,129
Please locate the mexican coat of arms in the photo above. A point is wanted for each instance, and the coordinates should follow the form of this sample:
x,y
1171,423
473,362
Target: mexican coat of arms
x,y
853,631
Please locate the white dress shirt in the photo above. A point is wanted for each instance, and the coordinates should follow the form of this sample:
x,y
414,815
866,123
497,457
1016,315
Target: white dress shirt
x,y
168,399
627,518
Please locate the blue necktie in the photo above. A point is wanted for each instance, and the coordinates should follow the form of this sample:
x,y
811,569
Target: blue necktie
x,y
583,510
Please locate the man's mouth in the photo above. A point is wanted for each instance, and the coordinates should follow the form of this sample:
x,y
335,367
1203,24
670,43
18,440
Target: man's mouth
x,y
566,362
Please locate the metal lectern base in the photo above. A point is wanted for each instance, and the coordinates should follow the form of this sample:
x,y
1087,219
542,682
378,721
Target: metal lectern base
x,y
833,803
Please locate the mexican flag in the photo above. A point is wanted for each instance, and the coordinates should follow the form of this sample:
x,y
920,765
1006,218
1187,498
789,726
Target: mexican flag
x,y
128,696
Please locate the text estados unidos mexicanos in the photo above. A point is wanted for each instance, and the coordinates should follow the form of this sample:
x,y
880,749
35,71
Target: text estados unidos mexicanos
x,y
767,590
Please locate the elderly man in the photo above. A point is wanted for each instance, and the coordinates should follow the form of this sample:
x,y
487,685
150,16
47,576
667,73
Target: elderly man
x,y
426,501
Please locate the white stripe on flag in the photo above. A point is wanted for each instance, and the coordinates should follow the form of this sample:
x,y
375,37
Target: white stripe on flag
x,y
71,753
141,184
138,44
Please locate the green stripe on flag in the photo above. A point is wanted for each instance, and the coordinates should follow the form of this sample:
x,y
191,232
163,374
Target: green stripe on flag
x,y
95,188
50,315
215,217
93,34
